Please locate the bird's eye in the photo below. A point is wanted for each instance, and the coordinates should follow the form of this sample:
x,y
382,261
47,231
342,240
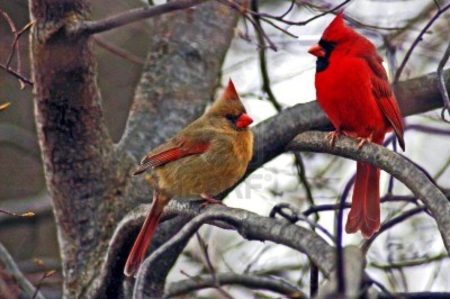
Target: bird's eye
x,y
327,46
230,117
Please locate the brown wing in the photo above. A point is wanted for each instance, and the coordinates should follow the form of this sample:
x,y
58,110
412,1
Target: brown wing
x,y
385,97
171,151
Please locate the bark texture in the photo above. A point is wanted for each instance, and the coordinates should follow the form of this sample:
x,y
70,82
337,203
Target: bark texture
x,y
87,175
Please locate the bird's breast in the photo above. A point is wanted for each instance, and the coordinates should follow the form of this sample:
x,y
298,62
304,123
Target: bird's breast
x,y
212,172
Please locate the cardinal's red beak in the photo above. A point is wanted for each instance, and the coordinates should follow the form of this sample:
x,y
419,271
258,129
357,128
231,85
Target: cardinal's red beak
x,y
317,50
243,121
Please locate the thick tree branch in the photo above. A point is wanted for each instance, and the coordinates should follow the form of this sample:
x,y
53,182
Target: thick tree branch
x,y
353,267
415,96
253,282
83,173
7,264
251,226
390,162
111,275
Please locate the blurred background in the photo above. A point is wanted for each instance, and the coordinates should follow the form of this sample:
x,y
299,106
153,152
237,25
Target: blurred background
x,y
396,259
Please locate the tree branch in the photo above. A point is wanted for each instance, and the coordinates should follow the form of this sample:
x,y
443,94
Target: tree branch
x,y
7,264
131,16
353,266
253,282
249,225
84,174
390,162
414,96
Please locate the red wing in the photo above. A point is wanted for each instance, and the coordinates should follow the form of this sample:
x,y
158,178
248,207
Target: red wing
x,y
385,97
153,160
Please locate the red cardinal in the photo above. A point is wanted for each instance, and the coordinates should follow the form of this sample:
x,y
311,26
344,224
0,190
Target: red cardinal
x,y
353,89
205,158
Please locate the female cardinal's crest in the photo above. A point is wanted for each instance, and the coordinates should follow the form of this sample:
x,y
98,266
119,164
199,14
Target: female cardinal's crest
x,y
230,92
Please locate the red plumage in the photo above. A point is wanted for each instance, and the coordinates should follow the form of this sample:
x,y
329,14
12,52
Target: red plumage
x,y
353,90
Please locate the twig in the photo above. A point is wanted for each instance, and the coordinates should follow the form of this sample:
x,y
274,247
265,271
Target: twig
x,y
253,282
263,61
15,48
347,205
410,263
27,288
45,275
340,262
4,106
134,15
119,51
442,87
417,40
204,250
296,216
389,224
282,19
17,75
26,214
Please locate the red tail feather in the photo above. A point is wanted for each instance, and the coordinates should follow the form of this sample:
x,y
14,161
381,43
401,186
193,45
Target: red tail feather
x,y
365,211
142,242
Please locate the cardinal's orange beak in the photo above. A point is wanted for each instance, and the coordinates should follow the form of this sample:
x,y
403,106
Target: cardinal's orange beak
x,y
243,121
317,50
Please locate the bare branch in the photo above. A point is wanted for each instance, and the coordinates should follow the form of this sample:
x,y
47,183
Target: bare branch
x,y
418,40
131,16
15,47
263,61
389,161
442,87
118,51
410,263
390,223
9,265
17,75
353,266
253,282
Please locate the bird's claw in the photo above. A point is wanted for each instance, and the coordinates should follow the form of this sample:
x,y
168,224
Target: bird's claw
x,y
209,200
333,136
363,140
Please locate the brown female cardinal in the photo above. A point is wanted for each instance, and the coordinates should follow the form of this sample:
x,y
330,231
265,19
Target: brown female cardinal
x,y
353,89
205,158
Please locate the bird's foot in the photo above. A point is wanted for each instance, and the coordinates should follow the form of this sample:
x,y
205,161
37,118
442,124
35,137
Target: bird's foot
x,y
333,136
363,140
209,200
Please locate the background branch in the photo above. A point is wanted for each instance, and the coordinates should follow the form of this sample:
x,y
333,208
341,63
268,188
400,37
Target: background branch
x,y
131,16
7,264
253,282
390,162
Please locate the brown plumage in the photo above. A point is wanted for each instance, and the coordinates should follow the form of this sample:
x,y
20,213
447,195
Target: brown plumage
x,y
205,158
